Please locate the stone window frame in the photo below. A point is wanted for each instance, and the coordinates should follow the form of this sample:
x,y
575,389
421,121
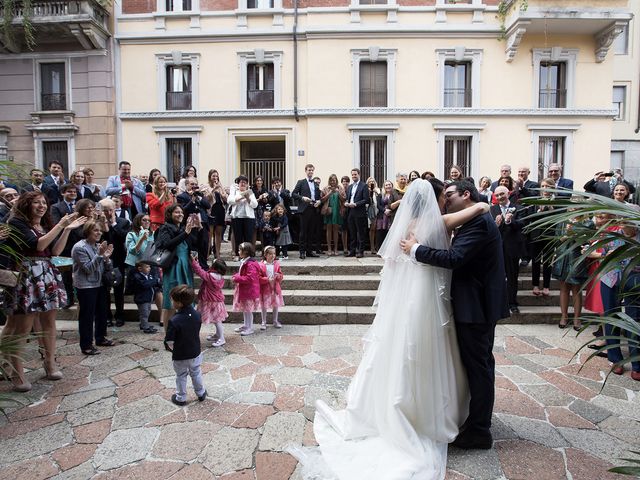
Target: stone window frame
x,y
460,54
192,132
243,12
555,54
176,57
387,130
260,55
553,130
472,130
37,79
373,54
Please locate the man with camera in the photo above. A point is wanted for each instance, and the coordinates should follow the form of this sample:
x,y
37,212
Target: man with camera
x,y
193,202
603,183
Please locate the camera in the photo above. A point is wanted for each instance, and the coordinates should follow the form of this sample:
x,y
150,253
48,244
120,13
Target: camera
x,y
199,194
608,174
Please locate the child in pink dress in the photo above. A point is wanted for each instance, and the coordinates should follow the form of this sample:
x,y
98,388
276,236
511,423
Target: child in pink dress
x,y
210,297
270,291
246,298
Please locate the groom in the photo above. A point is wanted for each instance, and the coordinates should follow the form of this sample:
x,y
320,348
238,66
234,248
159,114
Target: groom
x,y
479,294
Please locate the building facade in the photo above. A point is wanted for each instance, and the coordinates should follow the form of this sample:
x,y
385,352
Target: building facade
x,y
266,86
625,141
56,98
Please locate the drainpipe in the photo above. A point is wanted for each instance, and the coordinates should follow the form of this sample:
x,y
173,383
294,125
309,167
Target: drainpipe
x,y
295,61
638,126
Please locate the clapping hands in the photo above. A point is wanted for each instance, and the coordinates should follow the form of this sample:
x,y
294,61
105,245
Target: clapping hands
x,y
68,219
78,222
105,250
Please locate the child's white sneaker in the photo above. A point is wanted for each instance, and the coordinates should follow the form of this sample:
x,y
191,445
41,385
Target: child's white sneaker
x,y
212,338
247,332
239,329
277,324
263,326
219,342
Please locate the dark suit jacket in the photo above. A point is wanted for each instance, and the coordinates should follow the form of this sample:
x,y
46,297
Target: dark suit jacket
x,y
85,192
52,193
513,240
117,236
58,210
302,190
564,183
478,285
361,199
200,205
604,188
529,189
285,197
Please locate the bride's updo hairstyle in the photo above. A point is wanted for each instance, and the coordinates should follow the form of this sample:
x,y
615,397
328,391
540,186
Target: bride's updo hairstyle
x,y
437,185
419,214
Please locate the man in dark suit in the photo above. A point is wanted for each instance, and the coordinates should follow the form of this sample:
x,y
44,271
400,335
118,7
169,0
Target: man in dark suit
x,y
555,170
66,205
357,203
509,220
278,195
307,194
54,181
505,171
479,296
37,182
194,202
604,183
527,188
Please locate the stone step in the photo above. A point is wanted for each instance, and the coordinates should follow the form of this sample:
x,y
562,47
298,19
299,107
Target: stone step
x,y
338,314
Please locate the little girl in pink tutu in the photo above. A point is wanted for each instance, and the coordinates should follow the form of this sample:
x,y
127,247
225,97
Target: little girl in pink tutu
x,y
246,298
210,297
270,291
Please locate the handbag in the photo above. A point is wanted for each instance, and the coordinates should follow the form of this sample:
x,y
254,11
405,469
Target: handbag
x,y
326,210
157,257
112,278
8,278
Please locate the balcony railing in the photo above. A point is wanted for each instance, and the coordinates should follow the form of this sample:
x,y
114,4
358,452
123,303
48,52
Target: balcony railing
x,y
373,98
259,98
53,101
552,98
178,100
457,97
43,11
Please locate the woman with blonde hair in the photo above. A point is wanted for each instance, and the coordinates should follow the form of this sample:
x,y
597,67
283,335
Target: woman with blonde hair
x,y
77,180
372,211
158,200
217,197
333,197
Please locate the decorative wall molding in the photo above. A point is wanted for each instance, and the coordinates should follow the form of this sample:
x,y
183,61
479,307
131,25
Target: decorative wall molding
x,y
514,38
176,57
375,112
391,7
460,54
555,54
605,39
260,56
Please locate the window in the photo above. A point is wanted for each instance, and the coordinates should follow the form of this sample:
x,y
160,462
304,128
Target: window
x,y
553,85
178,5
260,85
457,151
259,3
621,43
178,87
373,84
617,159
178,157
619,101
53,90
372,2
373,158
550,150
56,150
457,84
266,158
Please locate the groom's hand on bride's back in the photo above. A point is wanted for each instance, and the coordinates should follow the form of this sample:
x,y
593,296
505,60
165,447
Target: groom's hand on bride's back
x,y
408,243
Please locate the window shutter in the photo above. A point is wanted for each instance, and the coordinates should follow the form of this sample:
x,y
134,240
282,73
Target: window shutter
x,y
380,85
365,84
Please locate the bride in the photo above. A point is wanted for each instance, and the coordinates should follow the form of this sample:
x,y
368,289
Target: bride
x,y
409,394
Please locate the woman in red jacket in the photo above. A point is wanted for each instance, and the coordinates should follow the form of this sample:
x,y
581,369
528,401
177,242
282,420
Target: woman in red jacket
x,y
158,200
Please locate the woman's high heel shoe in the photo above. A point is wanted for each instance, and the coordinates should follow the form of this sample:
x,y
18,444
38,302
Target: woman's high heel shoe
x,y
20,387
52,374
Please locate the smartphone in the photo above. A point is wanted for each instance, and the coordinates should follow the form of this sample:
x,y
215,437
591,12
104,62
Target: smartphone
x,y
171,185
98,207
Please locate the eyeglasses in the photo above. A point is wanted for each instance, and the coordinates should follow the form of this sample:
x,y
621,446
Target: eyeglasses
x,y
554,171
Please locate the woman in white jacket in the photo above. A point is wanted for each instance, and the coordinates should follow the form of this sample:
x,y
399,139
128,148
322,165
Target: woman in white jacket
x,y
243,218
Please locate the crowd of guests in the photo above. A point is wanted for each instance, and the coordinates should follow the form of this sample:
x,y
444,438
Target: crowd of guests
x,y
83,242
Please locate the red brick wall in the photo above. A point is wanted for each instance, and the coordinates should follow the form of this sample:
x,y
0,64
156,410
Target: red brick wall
x,y
316,3
138,6
214,5
416,3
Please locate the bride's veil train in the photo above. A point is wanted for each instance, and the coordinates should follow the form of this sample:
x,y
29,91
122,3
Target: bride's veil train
x,y
409,394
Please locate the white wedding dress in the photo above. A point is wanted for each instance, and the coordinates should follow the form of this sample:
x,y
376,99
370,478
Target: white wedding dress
x,y
409,394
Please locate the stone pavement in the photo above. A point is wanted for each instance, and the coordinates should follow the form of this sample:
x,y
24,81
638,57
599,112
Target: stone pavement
x,y
111,417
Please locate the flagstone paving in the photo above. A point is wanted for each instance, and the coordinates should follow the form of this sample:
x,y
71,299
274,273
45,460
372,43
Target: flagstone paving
x,y
111,416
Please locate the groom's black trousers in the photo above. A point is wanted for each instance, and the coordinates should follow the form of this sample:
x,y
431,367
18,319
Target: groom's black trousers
x,y
475,341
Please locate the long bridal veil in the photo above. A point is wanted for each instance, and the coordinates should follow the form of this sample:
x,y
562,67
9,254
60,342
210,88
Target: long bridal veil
x,y
409,394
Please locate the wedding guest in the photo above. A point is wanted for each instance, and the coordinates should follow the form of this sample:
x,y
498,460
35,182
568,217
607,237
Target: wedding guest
x,y
280,225
144,285
554,171
542,245
211,299
427,175
333,197
172,235
413,174
193,202
66,205
357,203
131,189
40,291
505,171
243,204
344,228
270,290
401,183
485,188
96,190
307,194
455,174
188,174
153,174
218,199
246,297
54,181
266,230
91,259
262,196
158,200
372,209
82,191
8,198
385,212
119,211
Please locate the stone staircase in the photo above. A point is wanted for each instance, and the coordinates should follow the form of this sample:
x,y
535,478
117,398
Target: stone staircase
x,y
338,290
